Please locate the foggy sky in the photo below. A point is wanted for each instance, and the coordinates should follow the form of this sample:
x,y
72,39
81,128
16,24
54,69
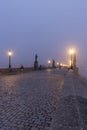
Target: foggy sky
x,y
46,27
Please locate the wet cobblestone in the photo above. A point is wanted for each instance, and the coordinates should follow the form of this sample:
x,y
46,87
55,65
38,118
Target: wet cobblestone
x,y
44,100
71,114
29,101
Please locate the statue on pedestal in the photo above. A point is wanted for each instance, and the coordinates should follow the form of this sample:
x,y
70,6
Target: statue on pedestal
x,y
36,63
53,64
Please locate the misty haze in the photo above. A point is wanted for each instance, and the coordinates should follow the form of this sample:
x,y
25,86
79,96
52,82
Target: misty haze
x,y
43,65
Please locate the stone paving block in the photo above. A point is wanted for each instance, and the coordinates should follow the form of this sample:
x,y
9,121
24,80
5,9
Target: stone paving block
x,y
34,128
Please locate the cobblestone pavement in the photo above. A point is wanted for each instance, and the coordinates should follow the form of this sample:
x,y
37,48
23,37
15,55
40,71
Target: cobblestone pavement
x,y
71,113
29,101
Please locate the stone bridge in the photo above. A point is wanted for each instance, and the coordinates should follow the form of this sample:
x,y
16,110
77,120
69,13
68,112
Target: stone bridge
x,y
43,100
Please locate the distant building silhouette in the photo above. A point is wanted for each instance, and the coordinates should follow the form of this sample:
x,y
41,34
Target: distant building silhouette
x,y
74,63
74,60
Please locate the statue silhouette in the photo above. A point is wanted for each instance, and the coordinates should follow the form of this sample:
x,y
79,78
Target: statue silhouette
x,y
36,63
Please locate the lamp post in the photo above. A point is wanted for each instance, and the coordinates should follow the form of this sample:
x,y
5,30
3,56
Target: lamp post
x,y
57,64
71,53
49,62
9,54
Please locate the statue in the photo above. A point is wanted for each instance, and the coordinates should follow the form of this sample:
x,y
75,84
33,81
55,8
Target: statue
x,y
53,64
36,63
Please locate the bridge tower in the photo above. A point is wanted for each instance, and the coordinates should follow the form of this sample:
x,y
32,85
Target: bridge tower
x,y
75,68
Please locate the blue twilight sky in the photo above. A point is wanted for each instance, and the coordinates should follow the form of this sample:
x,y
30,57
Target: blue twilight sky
x,y
46,27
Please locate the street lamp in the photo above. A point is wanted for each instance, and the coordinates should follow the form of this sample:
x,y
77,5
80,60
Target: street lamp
x,y
49,62
71,53
9,54
57,64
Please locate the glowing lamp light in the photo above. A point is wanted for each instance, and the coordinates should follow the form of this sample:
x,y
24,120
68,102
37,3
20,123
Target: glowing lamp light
x,y
61,64
71,51
9,53
57,63
49,61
